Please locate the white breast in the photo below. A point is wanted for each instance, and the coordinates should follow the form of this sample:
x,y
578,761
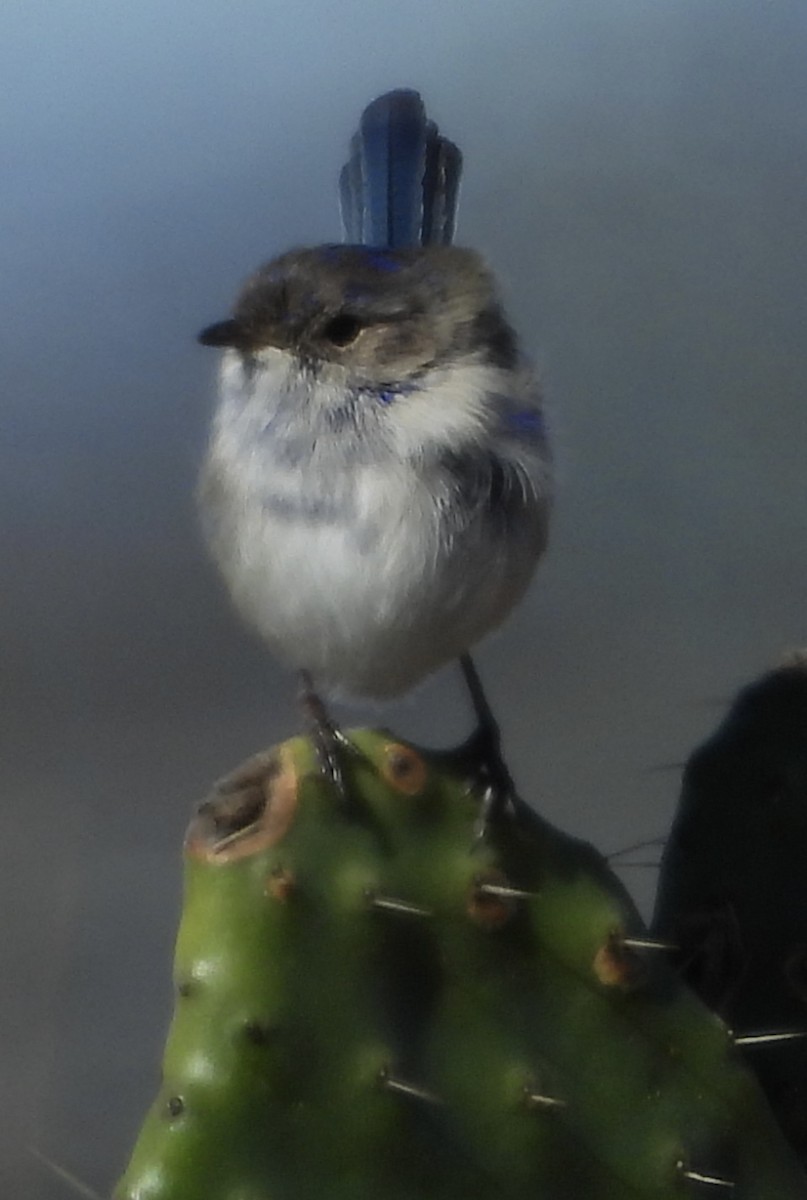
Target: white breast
x,y
352,570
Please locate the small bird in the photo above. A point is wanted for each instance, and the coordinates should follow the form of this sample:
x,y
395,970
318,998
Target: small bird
x,y
378,482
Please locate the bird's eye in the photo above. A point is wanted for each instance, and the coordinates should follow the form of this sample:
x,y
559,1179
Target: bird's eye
x,y
342,329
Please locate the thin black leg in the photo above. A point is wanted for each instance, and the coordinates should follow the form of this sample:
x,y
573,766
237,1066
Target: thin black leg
x,y
483,748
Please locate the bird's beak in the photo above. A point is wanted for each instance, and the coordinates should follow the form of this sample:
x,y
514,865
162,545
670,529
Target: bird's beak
x,y
223,333
233,334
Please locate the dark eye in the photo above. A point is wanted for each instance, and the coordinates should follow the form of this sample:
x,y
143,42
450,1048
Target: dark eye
x,y
342,329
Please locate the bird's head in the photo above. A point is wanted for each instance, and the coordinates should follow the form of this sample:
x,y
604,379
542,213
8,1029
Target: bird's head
x,y
369,316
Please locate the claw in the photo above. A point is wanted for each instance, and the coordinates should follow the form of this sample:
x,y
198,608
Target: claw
x,y
484,753
332,746
329,741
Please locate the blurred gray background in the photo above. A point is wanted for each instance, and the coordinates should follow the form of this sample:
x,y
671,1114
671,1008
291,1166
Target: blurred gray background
x,y
636,172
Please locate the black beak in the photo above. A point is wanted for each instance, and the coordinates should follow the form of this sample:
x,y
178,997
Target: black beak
x,y
223,333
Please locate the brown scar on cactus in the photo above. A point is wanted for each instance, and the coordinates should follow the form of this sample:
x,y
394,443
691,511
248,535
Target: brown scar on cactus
x,y
616,964
249,810
404,768
281,884
492,900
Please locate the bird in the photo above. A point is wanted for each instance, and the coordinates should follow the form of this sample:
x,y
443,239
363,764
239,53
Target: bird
x,y
378,480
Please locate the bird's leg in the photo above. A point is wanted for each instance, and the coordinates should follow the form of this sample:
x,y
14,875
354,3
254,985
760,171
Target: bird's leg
x,y
329,741
483,749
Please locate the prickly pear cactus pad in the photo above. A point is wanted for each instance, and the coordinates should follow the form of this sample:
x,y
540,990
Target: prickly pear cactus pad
x,y
373,1004
733,888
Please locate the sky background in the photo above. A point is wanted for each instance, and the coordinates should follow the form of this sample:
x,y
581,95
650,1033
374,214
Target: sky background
x,y
636,173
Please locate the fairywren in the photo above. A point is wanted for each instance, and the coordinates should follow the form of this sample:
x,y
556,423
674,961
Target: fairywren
x,y
378,481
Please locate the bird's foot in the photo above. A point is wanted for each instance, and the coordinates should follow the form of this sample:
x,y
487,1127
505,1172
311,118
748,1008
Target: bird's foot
x,y
330,743
491,779
483,753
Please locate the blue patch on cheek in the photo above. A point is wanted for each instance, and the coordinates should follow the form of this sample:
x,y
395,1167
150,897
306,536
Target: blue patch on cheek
x,y
518,422
527,421
389,394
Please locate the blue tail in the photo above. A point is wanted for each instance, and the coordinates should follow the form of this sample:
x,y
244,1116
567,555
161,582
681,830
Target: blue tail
x,y
401,183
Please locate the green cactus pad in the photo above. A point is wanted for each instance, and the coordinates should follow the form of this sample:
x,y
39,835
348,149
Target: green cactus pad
x,y
375,1004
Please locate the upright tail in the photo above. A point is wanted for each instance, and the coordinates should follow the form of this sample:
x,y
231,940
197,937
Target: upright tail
x,y
401,183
